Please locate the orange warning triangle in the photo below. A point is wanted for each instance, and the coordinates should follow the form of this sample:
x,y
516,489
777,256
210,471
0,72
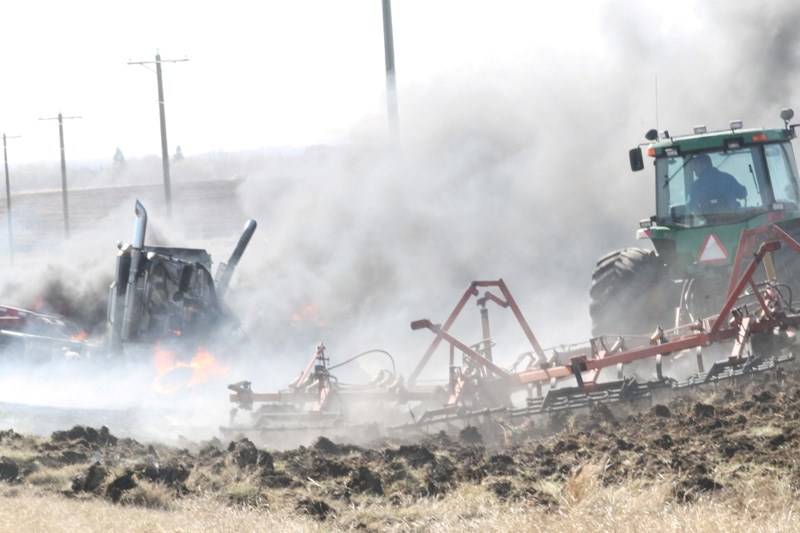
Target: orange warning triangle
x,y
712,251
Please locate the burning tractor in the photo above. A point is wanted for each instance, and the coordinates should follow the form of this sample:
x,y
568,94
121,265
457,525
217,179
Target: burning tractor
x,y
167,296
720,284
162,299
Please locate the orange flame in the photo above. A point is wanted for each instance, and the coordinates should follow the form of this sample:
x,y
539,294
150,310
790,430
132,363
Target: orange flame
x,y
203,366
80,336
309,313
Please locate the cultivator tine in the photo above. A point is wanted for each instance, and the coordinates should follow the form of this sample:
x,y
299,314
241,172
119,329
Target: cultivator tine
x,y
731,369
577,397
742,337
659,369
699,357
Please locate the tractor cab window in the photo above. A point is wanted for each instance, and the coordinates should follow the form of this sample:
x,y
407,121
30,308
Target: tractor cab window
x,y
702,188
780,162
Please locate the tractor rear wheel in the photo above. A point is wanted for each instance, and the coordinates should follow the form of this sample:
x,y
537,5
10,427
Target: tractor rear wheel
x,y
630,294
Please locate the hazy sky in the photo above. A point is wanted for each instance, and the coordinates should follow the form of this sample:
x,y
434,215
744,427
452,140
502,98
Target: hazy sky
x,y
259,73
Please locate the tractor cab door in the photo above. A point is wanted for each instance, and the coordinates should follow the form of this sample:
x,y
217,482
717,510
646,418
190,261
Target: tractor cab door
x,y
782,175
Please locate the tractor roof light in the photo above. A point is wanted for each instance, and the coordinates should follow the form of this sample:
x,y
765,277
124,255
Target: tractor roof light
x,y
699,130
786,115
651,135
736,125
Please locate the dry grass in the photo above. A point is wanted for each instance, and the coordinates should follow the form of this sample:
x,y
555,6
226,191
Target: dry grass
x,y
32,510
765,505
246,493
759,502
55,479
149,495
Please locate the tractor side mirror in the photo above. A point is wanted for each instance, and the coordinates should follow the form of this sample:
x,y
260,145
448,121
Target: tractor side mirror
x,y
635,156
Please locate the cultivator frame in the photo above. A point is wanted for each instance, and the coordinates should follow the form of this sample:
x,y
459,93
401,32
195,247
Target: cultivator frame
x,y
315,399
755,320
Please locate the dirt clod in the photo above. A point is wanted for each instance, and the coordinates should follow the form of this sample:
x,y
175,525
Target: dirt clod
x,y
365,481
470,435
121,484
173,474
88,436
91,481
662,411
315,508
500,464
325,445
415,455
703,410
245,454
764,396
9,470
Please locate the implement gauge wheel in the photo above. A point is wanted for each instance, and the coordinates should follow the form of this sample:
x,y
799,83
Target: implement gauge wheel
x,y
631,294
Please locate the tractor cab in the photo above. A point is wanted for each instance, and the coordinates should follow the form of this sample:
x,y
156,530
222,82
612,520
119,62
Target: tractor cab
x,y
710,188
716,184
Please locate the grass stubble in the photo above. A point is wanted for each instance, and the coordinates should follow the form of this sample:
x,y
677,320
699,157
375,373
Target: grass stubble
x,y
758,502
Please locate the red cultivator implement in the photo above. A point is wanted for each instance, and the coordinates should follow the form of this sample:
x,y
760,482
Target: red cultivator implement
x,y
315,400
756,323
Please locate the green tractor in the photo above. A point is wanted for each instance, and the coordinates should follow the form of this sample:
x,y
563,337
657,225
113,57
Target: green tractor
x,y
710,187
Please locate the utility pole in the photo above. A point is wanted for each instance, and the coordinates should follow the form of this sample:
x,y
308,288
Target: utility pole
x,y
8,199
162,116
391,84
64,200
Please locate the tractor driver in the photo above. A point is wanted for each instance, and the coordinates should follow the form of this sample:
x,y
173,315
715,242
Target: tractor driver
x,y
713,191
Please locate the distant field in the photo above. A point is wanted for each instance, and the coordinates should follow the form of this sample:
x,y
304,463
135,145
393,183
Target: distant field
x,y
205,208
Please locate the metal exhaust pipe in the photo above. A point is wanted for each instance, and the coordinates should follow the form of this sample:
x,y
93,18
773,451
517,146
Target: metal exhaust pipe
x,y
225,271
137,248
140,227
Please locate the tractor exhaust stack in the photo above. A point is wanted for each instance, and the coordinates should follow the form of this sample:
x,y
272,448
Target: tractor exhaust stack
x,y
137,247
225,270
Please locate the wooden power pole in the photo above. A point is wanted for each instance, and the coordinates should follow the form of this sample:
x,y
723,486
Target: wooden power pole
x,y
163,119
64,200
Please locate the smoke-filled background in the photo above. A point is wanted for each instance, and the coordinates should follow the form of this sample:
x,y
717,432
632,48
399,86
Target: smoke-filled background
x,y
512,165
